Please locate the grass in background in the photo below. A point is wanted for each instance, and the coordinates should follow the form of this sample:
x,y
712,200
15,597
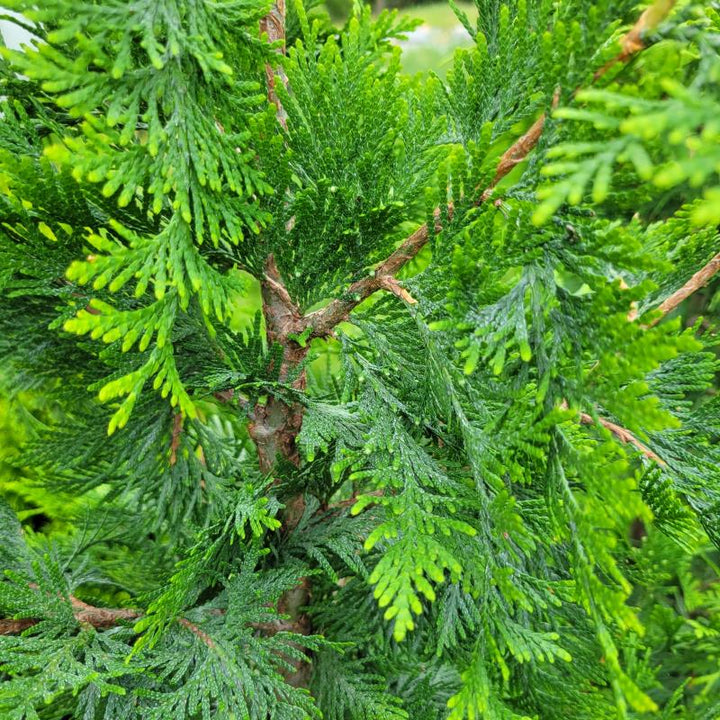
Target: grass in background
x,y
438,14
431,46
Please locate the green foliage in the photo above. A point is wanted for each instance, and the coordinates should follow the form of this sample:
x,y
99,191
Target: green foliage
x,y
489,493
140,127
186,673
345,689
664,129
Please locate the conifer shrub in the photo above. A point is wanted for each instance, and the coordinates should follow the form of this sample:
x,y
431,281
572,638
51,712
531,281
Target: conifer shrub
x,y
330,392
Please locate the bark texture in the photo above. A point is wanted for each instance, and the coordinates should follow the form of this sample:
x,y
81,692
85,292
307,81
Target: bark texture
x,y
276,423
701,278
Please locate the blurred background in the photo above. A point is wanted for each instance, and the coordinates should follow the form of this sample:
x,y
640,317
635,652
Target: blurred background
x,y
431,45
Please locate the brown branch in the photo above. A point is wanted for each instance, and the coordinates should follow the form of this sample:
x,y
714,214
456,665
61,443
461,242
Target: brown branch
x,y
338,310
175,437
100,618
285,314
204,637
274,428
389,283
274,626
274,25
631,44
15,627
323,321
274,423
518,151
697,281
623,435
225,396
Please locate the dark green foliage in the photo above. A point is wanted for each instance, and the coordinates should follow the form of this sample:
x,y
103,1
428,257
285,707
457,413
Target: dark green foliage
x,y
359,167
498,495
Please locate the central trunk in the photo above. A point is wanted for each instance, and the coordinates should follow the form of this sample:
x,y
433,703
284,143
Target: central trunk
x,y
275,424
274,427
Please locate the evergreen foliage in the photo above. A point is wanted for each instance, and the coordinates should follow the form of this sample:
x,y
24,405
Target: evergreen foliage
x,y
329,392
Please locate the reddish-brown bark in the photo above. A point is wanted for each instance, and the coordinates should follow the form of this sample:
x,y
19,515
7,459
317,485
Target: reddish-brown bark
x,y
274,25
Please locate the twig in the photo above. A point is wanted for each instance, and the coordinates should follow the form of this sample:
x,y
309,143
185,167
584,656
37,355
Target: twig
x,y
392,285
224,396
204,637
698,280
323,321
100,618
518,151
623,435
15,627
274,627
